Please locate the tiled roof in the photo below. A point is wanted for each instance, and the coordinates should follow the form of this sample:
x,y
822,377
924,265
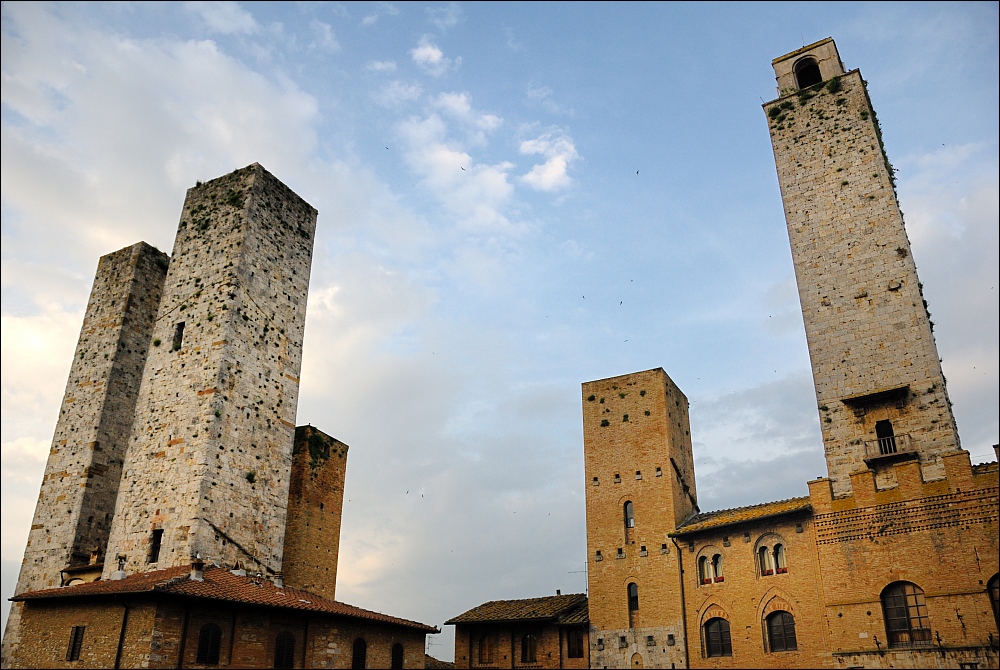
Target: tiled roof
x,y
569,608
729,517
221,584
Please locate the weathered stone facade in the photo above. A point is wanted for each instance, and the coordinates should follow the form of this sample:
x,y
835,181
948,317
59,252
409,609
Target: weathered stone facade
x,y
637,454
208,466
869,333
73,514
315,504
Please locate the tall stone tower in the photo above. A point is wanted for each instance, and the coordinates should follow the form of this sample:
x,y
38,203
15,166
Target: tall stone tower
x,y
640,486
207,470
879,387
73,514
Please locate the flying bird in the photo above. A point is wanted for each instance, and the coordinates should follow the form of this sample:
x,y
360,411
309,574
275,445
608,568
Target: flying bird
x,y
463,169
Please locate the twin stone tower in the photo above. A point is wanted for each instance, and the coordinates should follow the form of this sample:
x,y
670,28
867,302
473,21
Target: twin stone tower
x,y
176,432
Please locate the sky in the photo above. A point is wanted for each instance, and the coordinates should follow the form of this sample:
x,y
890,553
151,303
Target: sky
x,y
513,199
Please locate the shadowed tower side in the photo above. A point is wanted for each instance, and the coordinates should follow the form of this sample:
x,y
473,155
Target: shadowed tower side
x,y
73,514
207,472
879,387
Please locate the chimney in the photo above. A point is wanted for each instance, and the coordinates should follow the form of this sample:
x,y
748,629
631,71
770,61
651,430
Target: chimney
x,y
198,569
558,592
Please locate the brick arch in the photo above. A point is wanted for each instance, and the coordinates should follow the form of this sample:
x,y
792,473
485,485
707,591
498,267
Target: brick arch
x,y
767,539
774,599
710,610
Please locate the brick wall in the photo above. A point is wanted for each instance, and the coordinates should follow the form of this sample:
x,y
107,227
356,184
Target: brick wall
x,y
213,432
551,649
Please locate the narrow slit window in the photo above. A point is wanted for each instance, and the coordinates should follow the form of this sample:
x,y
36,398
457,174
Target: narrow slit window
x,y
75,643
178,336
155,541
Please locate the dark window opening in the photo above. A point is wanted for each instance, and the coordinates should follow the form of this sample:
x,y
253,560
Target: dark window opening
x,y
633,597
359,654
781,632
75,643
574,644
529,648
717,639
886,437
284,650
766,561
178,336
717,568
906,621
486,649
154,545
629,521
993,587
807,73
397,656
780,566
209,641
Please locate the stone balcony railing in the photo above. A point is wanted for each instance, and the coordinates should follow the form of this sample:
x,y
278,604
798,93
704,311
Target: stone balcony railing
x,y
893,448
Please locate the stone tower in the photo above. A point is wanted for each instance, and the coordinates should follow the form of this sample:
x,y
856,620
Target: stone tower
x,y
315,504
640,486
207,470
879,387
73,514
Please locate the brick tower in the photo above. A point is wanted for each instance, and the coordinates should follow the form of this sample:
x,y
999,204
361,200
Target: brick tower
x,y
207,472
879,386
73,514
640,486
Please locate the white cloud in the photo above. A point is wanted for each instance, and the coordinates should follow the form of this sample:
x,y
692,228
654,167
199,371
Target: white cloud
x,y
381,9
446,17
559,151
429,58
323,37
381,66
226,18
459,106
397,92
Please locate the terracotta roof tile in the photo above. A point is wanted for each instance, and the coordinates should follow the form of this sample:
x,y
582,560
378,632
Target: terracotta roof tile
x,y
559,609
729,517
221,584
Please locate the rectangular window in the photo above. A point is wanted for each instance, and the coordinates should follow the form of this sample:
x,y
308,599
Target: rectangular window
x,y
178,336
154,545
75,643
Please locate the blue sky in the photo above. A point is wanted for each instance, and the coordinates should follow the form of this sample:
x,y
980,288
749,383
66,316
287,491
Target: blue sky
x,y
514,199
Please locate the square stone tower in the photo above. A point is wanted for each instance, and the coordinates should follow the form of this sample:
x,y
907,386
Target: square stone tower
x,y
640,486
879,387
77,497
207,470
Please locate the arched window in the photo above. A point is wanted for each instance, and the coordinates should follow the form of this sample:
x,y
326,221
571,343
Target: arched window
x,y
993,587
284,650
209,640
486,648
574,643
885,436
397,656
780,566
717,640
529,648
629,521
633,603
780,632
717,568
807,72
766,561
359,654
705,570
905,613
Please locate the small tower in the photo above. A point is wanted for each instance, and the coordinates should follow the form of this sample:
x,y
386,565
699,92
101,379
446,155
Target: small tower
x,y
879,387
207,472
640,486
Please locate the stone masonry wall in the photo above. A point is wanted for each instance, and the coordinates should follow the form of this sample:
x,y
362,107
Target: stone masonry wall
x,y
866,322
212,442
637,447
77,497
315,504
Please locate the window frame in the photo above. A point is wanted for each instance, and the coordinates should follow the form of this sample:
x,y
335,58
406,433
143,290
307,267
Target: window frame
x,y
529,648
487,650
903,604
359,653
75,647
724,645
209,644
286,657
396,657
781,622
574,643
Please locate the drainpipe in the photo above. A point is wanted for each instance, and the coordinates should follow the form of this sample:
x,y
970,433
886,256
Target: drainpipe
x,y
183,643
121,637
684,620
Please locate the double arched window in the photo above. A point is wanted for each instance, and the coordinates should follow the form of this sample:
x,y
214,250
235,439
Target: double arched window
x,y
771,560
780,627
717,639
906,622
284,650
710,569
209,641
529,648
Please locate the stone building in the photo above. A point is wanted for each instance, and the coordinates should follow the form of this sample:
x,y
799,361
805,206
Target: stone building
x,y
891,560
183,519
550,632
